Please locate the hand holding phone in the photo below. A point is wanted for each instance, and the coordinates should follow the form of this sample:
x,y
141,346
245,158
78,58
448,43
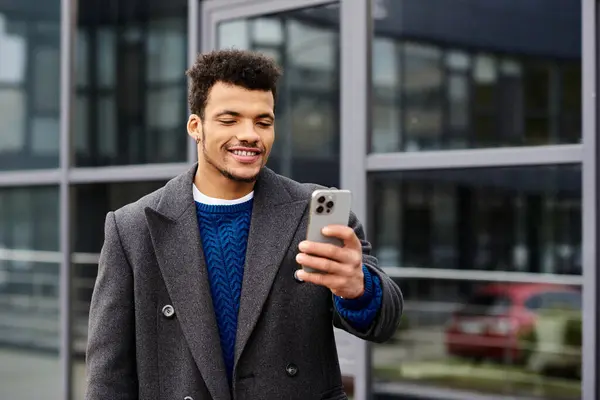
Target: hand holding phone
x,y
332,254
327,207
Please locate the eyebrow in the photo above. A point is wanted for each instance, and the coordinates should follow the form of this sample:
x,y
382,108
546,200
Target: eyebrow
x,y
266,115
237,114
228,112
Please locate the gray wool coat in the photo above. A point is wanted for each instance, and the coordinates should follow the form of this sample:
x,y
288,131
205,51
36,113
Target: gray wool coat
x,y
152,329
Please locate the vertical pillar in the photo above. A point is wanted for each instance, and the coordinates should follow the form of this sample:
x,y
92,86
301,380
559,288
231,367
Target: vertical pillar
x,y
590,243
355,42
194,11
68,23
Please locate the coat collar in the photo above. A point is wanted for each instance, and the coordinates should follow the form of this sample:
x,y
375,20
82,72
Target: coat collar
x,y
174,230
178,196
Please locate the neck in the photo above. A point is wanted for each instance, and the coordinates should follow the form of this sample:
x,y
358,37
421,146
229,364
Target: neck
x,y
212,183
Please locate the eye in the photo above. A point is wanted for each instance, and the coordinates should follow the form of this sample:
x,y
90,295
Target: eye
x,y
227,122
265,124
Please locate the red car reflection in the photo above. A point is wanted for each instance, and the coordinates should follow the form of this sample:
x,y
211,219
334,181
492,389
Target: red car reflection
x,y
490,324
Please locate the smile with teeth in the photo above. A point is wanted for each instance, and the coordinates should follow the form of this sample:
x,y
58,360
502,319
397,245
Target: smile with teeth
x,y
245,153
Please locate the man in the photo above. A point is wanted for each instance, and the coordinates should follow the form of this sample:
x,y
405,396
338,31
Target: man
x,y
199,292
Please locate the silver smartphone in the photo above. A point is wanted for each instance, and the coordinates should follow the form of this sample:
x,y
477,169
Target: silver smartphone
x,y
327,207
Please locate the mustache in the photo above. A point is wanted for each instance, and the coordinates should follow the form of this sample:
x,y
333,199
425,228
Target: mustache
x,y
245,144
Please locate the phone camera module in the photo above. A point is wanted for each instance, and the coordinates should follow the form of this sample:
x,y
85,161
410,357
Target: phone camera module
x,y
319,209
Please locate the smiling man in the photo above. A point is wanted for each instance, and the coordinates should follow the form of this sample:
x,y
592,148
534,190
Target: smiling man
x,y
199,292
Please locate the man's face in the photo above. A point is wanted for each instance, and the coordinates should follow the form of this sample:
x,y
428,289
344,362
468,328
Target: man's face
x,y
237,131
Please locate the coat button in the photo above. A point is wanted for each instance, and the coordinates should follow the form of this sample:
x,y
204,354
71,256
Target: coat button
x,y
291,369
168,311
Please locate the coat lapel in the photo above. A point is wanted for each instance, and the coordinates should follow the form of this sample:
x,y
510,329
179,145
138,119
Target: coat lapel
x,y
176,238
275,218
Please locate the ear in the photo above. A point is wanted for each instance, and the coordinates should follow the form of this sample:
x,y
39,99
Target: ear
x,y
194,126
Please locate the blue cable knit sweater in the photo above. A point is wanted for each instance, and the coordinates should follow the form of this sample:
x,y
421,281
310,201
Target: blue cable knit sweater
x,y
224,234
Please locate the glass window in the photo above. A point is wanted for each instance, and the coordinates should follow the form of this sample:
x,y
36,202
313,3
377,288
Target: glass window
x,y
467,338
131,84
482,304
559,301
525,219
422,94
468,76
29,85
29,293
91,203
534,303
306,43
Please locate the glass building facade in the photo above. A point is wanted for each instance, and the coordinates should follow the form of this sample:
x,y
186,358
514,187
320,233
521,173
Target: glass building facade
x,y
466,130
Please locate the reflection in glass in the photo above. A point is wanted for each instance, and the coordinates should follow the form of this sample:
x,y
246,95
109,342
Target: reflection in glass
x,y
29,85
469,76
90,204
525,219
131,105
464,338
305,43
422,95
29,293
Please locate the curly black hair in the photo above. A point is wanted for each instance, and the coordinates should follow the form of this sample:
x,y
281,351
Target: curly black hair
x,y
250,70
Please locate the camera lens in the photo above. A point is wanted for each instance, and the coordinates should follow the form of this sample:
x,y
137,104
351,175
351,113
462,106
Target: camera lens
x,y
320,209
330,204
321,199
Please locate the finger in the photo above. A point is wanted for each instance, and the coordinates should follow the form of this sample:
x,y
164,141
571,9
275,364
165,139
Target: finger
x,y
326,250
322,264
344,233
332,282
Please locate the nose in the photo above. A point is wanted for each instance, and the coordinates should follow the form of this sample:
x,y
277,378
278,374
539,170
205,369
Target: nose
x,y
248,133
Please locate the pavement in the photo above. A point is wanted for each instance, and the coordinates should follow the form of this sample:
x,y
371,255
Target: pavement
x,y
29,376
35,375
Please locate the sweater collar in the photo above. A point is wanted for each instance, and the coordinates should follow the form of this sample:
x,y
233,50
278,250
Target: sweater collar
x,y
201,198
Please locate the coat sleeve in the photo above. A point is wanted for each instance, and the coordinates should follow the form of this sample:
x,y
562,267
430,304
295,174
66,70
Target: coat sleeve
x,y
110,358
388,317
